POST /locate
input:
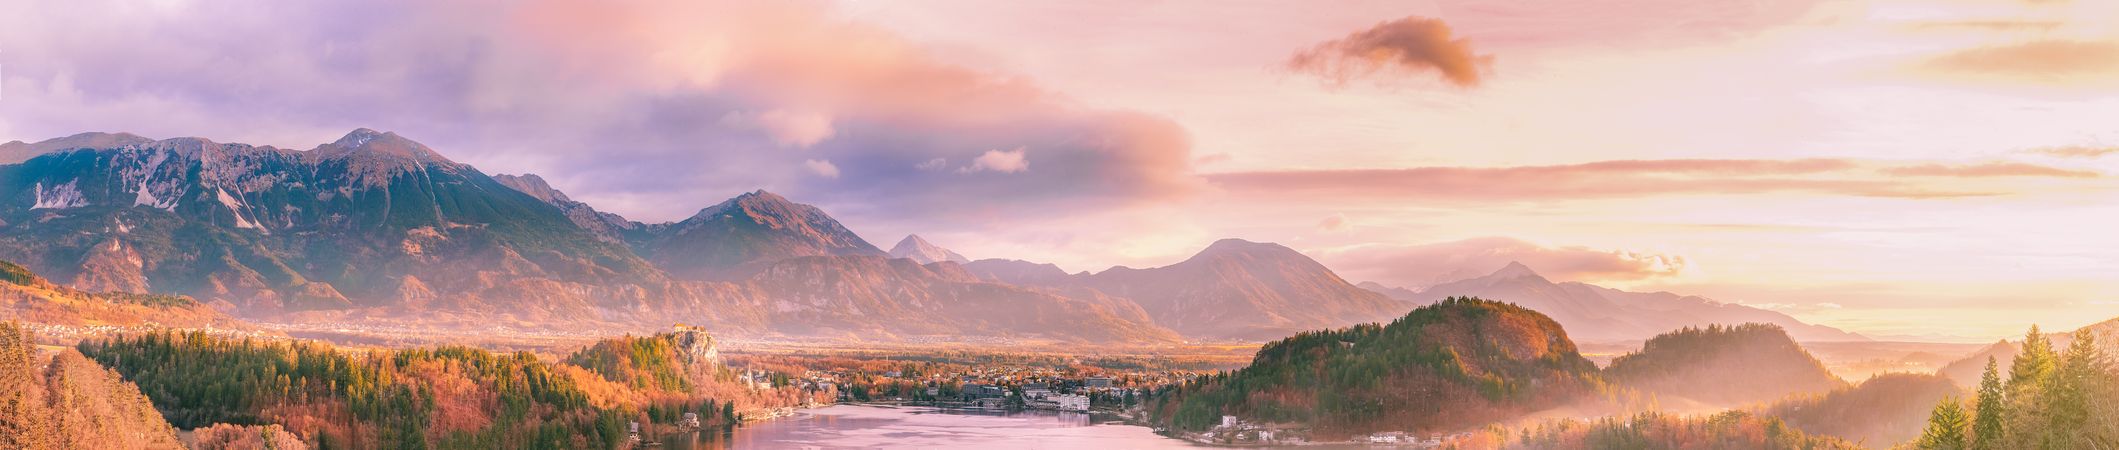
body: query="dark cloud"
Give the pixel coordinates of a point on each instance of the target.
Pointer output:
(1416, 266)
(1408, 46)
(651, 109)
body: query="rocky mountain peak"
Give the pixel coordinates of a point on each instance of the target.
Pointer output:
(753, 227)
(1232, 247)
(534, 185)
(363, 142)
(923, 252)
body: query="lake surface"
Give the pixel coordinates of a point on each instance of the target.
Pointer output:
(860, 426)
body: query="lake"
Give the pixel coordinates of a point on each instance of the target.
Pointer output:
(861, 426)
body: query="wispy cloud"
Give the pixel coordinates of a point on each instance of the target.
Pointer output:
(2077, 151)
(1636, 178)
(1991, 169)
(1429, 264)
(2047, 61)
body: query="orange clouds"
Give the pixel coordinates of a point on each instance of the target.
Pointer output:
(2040, 58)
(1425, 265)
(1636, 178)
(2077, 151)
(2045, 63)
(1412, 45)
(1993, 169)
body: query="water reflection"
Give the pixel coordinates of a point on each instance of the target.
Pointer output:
(848, 426)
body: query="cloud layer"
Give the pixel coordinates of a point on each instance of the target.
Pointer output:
(1640, 178)
(1416, 266)
(650, 109)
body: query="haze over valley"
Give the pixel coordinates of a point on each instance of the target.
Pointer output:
(551, 224)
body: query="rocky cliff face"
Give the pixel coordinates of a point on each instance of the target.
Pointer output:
(696, 347)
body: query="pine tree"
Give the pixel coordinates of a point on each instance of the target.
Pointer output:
(1946, 427)
(2066, 398)
(1987, 424)
(2035, 363)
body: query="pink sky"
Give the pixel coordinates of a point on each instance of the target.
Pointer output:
(1904, 167)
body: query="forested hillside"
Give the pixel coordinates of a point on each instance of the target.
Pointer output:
(1884, 410)
(1460, 363)
(2048, 398)
(65, 401)
(447, 397)
(1722, 366)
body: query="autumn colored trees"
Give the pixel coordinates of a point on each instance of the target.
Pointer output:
(445, 397)
(65, 401)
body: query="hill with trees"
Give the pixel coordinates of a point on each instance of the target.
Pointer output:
(1722, 366)
(446, 397)
(1458, 364)
(66, 401)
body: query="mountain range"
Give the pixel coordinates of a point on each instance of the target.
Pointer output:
(1233, 289)
(1598, 314)
(375, 225)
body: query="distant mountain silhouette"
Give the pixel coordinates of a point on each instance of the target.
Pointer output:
(1233, 289)
(923, 252)
(1597, 314)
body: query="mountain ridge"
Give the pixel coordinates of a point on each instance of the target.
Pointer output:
(1597, 313)
(1233, 289)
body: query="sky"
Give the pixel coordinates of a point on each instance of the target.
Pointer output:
(1934, 168)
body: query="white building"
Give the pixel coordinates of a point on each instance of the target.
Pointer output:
(1071, 402)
